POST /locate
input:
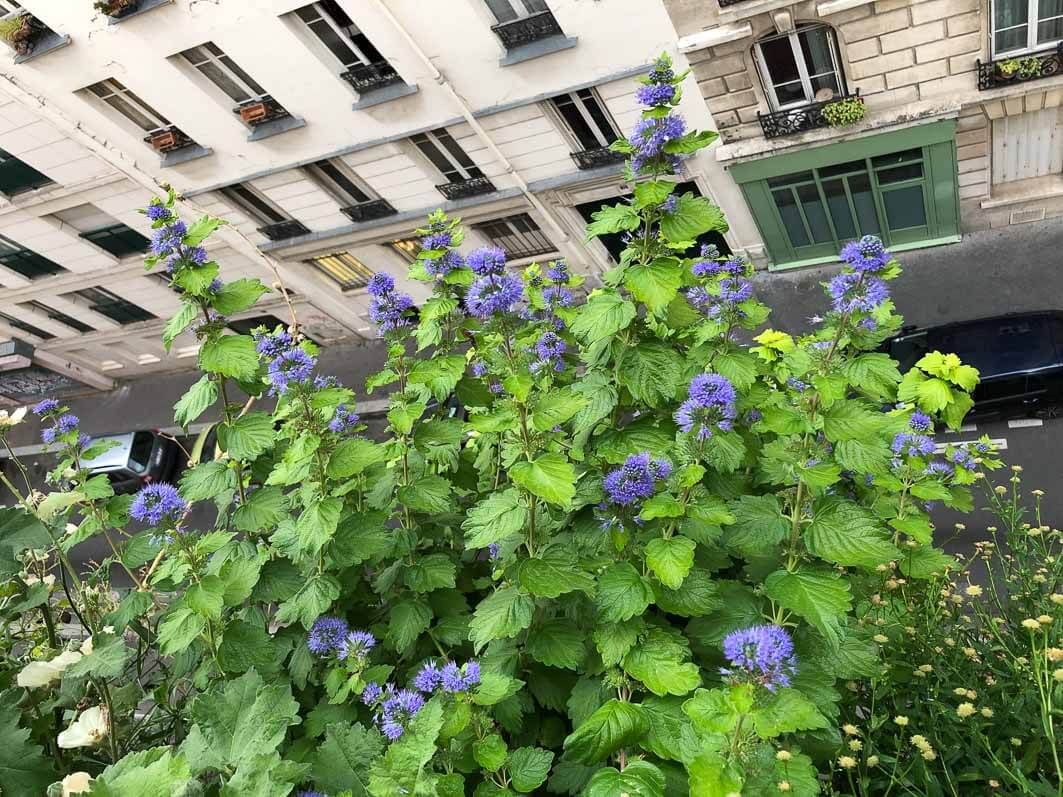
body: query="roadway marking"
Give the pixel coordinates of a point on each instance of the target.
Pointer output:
(1001, 444)
(1022, 423)
(969, 427)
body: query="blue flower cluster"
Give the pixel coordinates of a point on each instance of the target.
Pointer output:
(914, 442)
(494, 292)
(550, 353)
(158, 503)
(732, 288)
(761, 654)
(344, 421)
(167, 241)
(710, 406)
(440, 238)
(331, 636)
(393, 709)
(852, 292)
(388, 308)
(63, 422)
(670, 205)
(628, 486)
(448, 679)
(649, 139)
(289, 364)
(866, 255)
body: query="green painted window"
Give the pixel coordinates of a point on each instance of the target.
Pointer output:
(900, 186)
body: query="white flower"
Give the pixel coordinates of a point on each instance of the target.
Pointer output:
(42, 673)
(13, 419)
(86, 647)
(87, 730)
(76, 783)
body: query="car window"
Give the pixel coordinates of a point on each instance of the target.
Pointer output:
(140, 452)
(1000, 389)
(907, 350)
(1002, 346)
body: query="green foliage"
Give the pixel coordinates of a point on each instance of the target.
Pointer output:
(844, 112)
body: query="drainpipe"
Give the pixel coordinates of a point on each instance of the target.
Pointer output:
(467, 114)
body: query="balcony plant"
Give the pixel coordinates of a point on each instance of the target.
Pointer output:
(1008, 67)
(844, 112)
(1030, 67)
(254, 112)
(116, 8)
(21, 32)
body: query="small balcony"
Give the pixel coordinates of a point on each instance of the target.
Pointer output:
(29, 37)
(283, 230)
(1019, 69)
(474, 186)
(370, 77)
(368, 211)
(725, 3)
(532, 28)
(596, 158)
(168, 139)
(798, 120)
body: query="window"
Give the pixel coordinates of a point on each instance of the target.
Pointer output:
(22, 261)
(119, 240)
(338, 180)
(339, 34)
(255, 204)
(1026, 25)
(518, 235)
(15, 323)
(223, 72)
(800, 67)
(346, 269)
(113, 306)
(510, 10)
(445, 154)
(586, 119)
(9, 7)
(408, 248)
(17, 177)
(129, 105)
(55, 315)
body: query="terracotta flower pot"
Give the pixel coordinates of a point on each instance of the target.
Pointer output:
(255, 112)
(164, 140)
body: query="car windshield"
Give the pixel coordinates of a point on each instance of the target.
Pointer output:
(999, 347)
(140, 452)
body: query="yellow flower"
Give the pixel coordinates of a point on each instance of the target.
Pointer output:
(1058, 674)
(901, 720)
(965, 710)
(783, 755)
(784, 785)
(970, 653)
(881, 638)
(950, 642)
(1039, 579)
(856, 745)
(919, 740)
(1054, 654)
(1031, 624)
(872, 760)
(1044, 619)
(959, 691)
(973, 590)
(1037, 493)
(14, 419)
(851, 730)
(928, 754)
(76, 783)
(1057, 598)
(987, 712)
(919, 674)
(925, 668)
(971, 694)
(847, 762)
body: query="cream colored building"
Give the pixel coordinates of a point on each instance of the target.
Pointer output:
(324, 132)
(961, 129)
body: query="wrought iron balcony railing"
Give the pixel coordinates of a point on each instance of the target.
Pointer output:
(367, 211)
(725, 3)
(370, 77)
(474, 186)
(532, 28)
(272, 110)
(597, 157)
(169, 139)
(798, 120)
(1019, 69)
(283, 230)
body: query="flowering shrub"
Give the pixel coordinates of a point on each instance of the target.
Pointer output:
(605, 548)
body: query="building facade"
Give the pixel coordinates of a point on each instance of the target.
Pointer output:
(915, 120)
(324, 132)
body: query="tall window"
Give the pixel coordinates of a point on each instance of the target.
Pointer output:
(103, 230)
(1026, 25)
(255, 204)
(23, 326)
(22, 261)
(509, 10)
(336, 178)
(129, 105)
(518, 235)
(586, 118)
(800, 67)
(113, 306)
(347, 270)
(17, 176)
(339, 34)
(223, 72)
(56, 315)
(407, 248)
(446, 155)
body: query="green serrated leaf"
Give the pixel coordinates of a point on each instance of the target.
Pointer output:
(550, 477)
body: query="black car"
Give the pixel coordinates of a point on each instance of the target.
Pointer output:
(139, 458)
(1019, 358)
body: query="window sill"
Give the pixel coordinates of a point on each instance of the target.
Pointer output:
(49, 42)
(1037, 189)
(823, 261)
(537, 49)
(183, 155)
(144, 7)
(276, 127)
(384, 94)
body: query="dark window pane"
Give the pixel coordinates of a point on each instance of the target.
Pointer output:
(335, 43)
(594, 108)
(25, 327)
(119, 240)
(371, 53)
(791, 217)
(789, 93)
(252, 203)
(576, 123)
(502, 9)
(1011, 39)
(838, 203)
(815, 214)
(825, 86)
(815, 46)
(904, 207)
(456, 152)
(333, 9)
(22, 261)
(431, 151)
(789, 179)
(246, 78)
(220, 78)
(779, 59)
(17, 176)
(342, 182)
(1050, 30)
(912, 171)
(62, 318)
(140, 451)
(519, 236)
(1009, 13)
(864, 202)
(894, 158)
(843, 168)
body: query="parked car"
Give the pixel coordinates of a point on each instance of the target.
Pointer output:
(139, 458)
(1019, 357)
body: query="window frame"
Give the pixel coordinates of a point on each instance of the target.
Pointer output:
(319, 175)
(804, 76)
(123, 95)
(247, 206)
(107, 299)
(15, 8)
(225, 63)
(17, 163)
(131, 246)
(59, 317)
(519, 8)
(573, 98)
(534, 241)
(20, 254)
(362, 273)
(1033, 21)
(342, 32)
(432, 138)
(26, 326)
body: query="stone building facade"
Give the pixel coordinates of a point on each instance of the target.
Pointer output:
(960, 128)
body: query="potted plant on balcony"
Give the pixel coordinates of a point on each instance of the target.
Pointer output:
(254, 112)
(163, 140)
(1007, 68)
(21, 32)
(116, 8)
(1030, 67)
(844, 112)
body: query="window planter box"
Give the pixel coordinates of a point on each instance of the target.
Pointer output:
(260, 111)
(116, 9)
(526, 30)
(168, 139)
(1019, 69)
(23, 33)
(368, 211)
(365, 78)
(283, 230)
(474, 186)
(596, 158)
(798, 120)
